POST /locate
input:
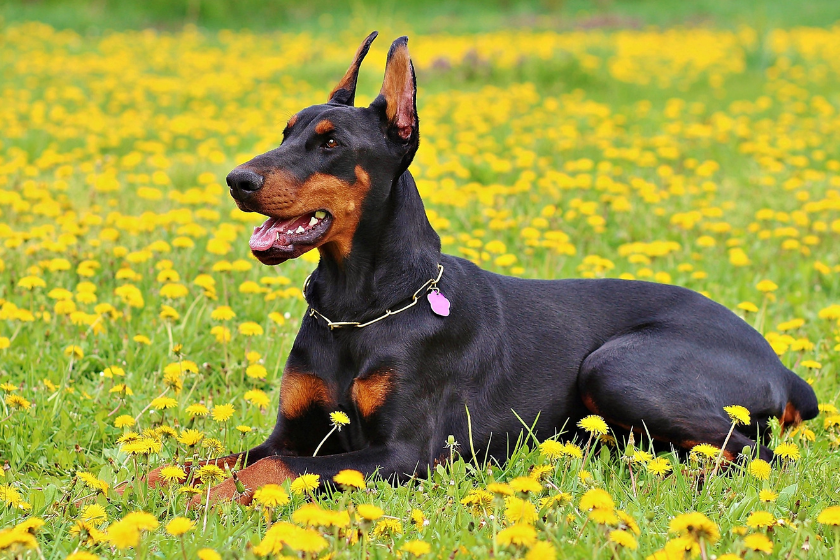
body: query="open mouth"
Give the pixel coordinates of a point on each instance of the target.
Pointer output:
(279, 239)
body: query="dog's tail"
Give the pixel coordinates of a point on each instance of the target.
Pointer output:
(802, 401)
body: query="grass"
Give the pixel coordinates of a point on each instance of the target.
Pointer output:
(705, 157)
(470, 16)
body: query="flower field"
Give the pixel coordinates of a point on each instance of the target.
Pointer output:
(136, 331)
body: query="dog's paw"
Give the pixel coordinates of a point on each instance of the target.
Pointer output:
(241, 486)
(224, 492)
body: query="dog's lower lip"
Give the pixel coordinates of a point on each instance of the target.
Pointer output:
(282, 239)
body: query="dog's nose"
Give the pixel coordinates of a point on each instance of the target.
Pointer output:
(244, 181)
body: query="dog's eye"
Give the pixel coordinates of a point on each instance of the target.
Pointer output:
(329, 144)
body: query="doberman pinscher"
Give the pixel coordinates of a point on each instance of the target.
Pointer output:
(381, 343)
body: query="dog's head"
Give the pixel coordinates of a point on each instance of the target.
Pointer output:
(334, 160)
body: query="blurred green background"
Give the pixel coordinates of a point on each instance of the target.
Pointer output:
(96, 16)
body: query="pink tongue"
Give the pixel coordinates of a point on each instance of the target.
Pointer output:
(265, 235)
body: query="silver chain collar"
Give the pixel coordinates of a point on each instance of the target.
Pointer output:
(427, 287)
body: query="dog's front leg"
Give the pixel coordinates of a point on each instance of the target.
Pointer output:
(388, 461)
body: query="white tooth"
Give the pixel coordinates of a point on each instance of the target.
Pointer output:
(300, 229)
(278, 236)
(289, 231)
(320, 214)
(313, 220)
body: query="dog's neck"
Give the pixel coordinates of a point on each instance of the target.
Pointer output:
(395, 250)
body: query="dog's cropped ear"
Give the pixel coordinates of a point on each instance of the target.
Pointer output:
(399, 93)
(345, 92)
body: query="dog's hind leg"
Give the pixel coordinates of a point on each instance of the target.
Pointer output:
(639, 381)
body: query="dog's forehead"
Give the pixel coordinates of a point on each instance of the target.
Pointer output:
(338, 115)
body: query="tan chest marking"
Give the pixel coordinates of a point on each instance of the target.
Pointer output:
(299, 391)
(370, 393)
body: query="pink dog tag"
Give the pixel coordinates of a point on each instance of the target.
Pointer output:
(439, 303)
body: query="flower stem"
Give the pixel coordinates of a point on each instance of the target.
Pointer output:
(323, 440)
(722, 449)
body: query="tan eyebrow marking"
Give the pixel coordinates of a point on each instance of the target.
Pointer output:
(292, 121)
(323, 127)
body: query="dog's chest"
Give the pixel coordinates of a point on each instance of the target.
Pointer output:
(304, 391)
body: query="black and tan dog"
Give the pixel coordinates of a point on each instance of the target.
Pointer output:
(652, 358)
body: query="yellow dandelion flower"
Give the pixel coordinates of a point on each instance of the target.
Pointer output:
(197, 410)
(603, 516)
(573, 450)
(830, 516)
(705, 451)
(190, 437)
(74, 352)
(659, 466)
(223, 412)
(123, 535)
(339, 419)
(552, 450)
(517, 535)
(93, 512)
(123, 420)
(596, 498)
(641, 457)
(162, 403)
(789, 451)
(540, 472)
(593, 424)
(257, 397)
(168, 313)
(387, 526)
(283, 533)
(173, 473)
(525, 484)
(223, 313)
(271, 495)
(828, 408)
(518, 510)
(30, 525)
(208, 554)
(767, 496)
(16, 401)
(561, 499)
(369, 512)
(759, 519)
(738, 414)
(210, 472)
(256, 371)
(213, 444)
(694, 525)
(500, 488)
(477, 500)
(767, 286)
(350, 479)
(250, 328)
(82, 555)
(623, 539)
(419, 520)
(416, 548)
(759, 543)
(760, 469)
(179, 526)
(305, 484)
(541, 550)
